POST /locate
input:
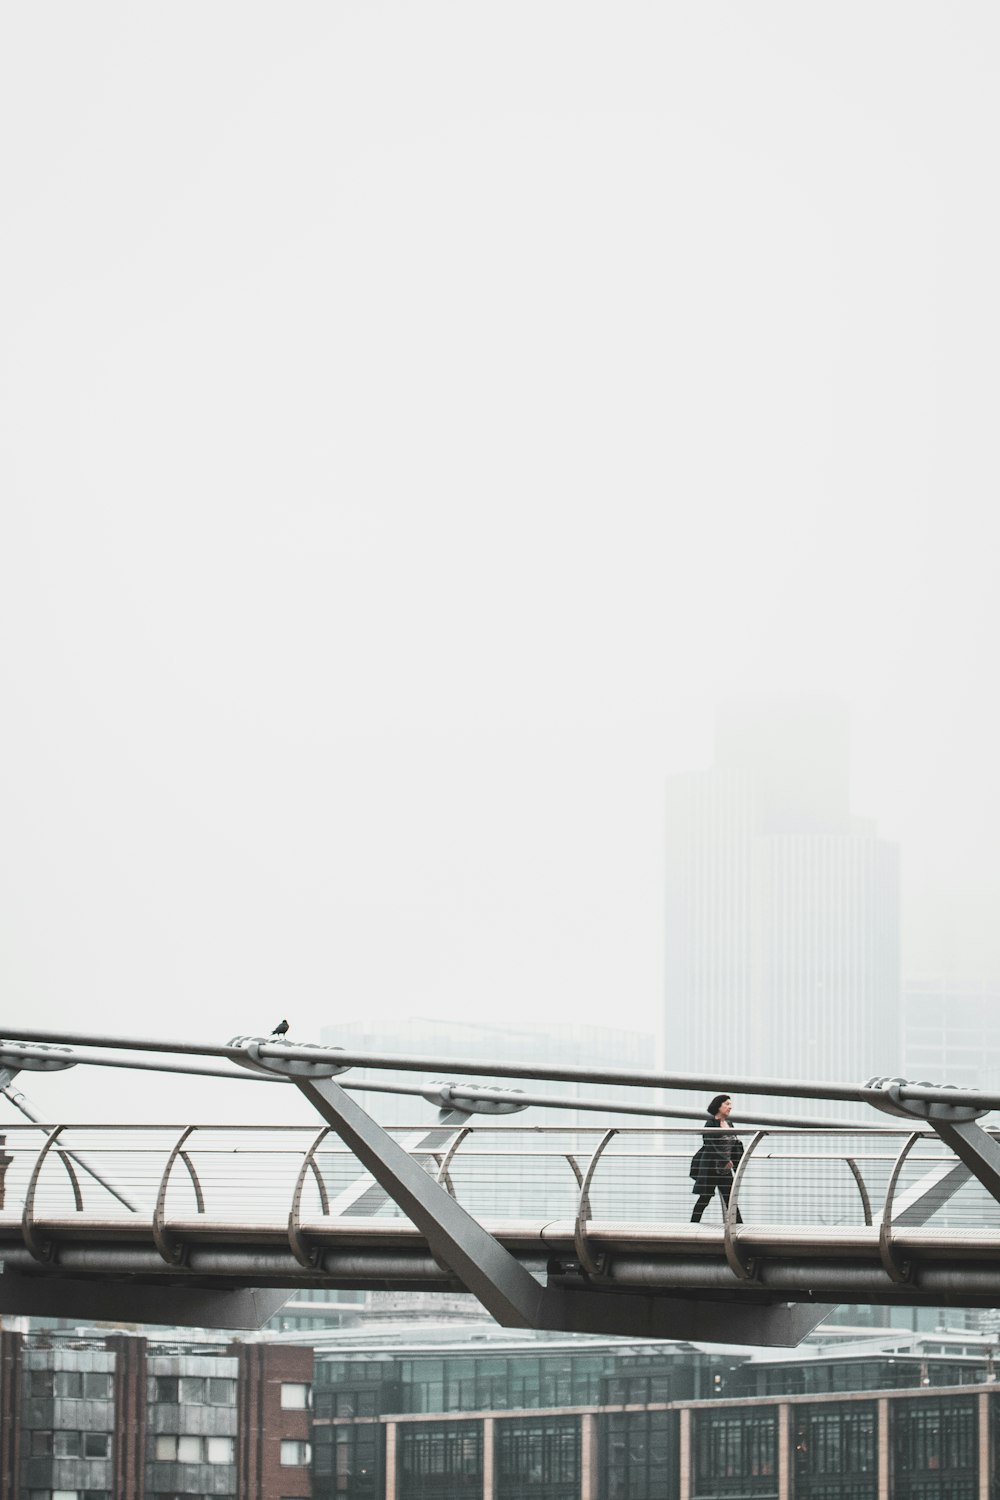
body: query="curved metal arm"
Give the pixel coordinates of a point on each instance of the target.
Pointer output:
(444, 1175)
(41, 1250)
(897, 1270)
(591, 1264)
(172, 1250)
(306, 1255)
(866, 1202)
(744, 1266)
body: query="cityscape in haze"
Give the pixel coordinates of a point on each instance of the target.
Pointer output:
(498, 565)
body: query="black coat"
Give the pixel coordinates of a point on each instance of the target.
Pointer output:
(721, 1146)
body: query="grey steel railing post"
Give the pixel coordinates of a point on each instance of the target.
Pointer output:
(744, 1266)
(591, 1264)
(40, 1251)
(897, 1270)
(308, 1256)
(866, 1202)
(172, 1251)
(444, 1164)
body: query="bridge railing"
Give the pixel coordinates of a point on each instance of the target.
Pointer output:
(257, 1177)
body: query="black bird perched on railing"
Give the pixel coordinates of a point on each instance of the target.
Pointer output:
(280, 1029)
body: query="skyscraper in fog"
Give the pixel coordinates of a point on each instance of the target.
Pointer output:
(782, 908)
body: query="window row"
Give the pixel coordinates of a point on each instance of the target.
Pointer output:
(92, 1385)
(63, 1444)
(192, 1390)
(469, 1384)
(188, 1449)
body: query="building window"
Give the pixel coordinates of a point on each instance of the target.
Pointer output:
(733, 1446)
(219, 1450)
(221, 1392)
(294, 1396)
(41, 1444)
(41, 1383)
(165, 1450)
(939, 1436)
(167, 1388)
(96, 1385)
(66, 1444)
(640, 1454)
(95, 1445)
(352, 1455)
(441, 1460)
(834, 1448)
(189, 1450)
(538, 1457)
(294, 1452)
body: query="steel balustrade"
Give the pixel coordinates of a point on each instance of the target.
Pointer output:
(250, 1190)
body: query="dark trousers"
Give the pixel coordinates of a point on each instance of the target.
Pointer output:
(704, 1199)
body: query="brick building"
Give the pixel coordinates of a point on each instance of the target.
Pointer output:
(425, 1413)
(123, 1418)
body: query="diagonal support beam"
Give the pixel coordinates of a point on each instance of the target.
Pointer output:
(974, 1148)
(503, 1286)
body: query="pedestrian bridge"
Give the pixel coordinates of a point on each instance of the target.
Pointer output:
(576, 1229)
(598, 1218)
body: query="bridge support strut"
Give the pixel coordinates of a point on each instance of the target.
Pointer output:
(504, 1287)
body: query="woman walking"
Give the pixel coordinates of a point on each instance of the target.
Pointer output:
(717, 1159)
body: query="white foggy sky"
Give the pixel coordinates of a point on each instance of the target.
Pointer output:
(415, 418)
